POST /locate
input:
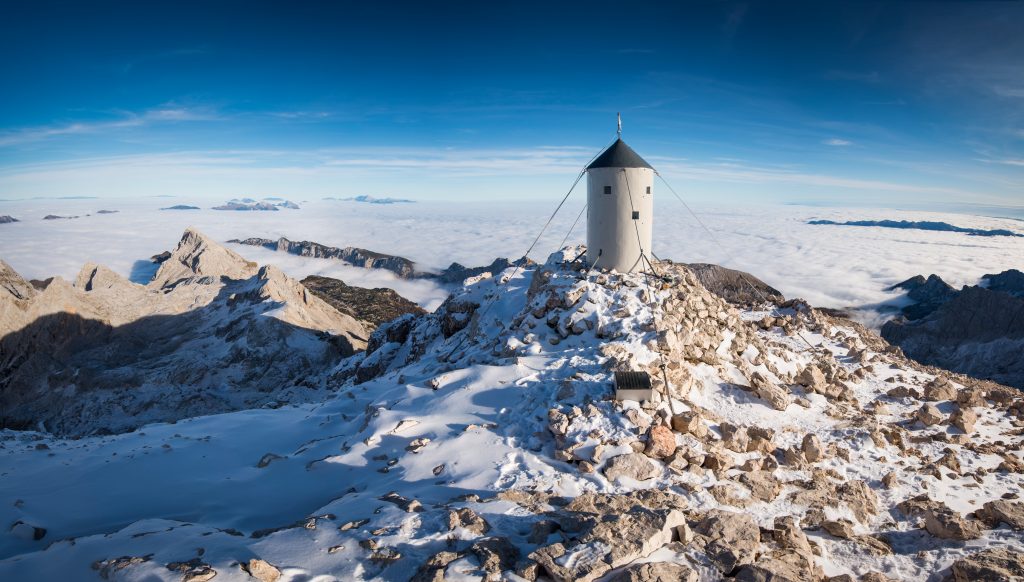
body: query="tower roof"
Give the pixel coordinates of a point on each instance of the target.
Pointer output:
(619, 155)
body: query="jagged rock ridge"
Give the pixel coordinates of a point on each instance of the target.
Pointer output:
(354, 256)
(400, 266)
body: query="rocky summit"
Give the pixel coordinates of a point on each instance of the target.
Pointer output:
(484, 441)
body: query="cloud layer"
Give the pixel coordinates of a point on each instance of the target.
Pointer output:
(831, 267)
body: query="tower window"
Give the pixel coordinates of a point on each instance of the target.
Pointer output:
(636, 215)
(648, 189)
(607, 189)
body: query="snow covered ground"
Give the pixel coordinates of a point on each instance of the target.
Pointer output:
(362, 486)
(830, 266)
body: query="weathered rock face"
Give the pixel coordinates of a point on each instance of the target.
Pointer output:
(212, 332)
(262, 570)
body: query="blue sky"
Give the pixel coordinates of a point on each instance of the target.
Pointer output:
(913, 104)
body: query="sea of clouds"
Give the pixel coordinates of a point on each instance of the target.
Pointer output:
(830, 266)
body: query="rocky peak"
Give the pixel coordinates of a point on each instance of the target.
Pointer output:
(14, 284)
(198, 255)
(1010, 281)
(94, 277)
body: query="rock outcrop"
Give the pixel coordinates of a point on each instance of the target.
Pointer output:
(736, 287)
(371, 307)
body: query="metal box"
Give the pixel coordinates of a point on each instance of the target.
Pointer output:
(633, 386)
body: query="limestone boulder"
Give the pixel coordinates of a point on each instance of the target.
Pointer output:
(1003, 511)
(929, 415)
(964, 419)
(939, 389)
(612, 541)
(813, 448)
(733, 538)
(263, 570)
(943, 522)
(780, 566)
(634, 466)
(812, 378)
(690, 422)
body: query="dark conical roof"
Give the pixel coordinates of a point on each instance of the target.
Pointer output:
(619, 155)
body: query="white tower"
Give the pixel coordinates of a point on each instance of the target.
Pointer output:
(620, 205)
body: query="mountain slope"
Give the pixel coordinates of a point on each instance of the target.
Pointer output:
(977, 330)
(212, 332)
(482, 442)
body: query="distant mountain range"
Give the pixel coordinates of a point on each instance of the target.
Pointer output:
(372, 200)
(248, 204)
(920, 225)
(181, 207)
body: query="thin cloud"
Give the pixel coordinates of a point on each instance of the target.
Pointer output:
(733, 172)
(1006, 162)
(421, 163)
(835, 141)
(165, 114)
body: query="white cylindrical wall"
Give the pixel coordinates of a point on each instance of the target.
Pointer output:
(615, 240)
